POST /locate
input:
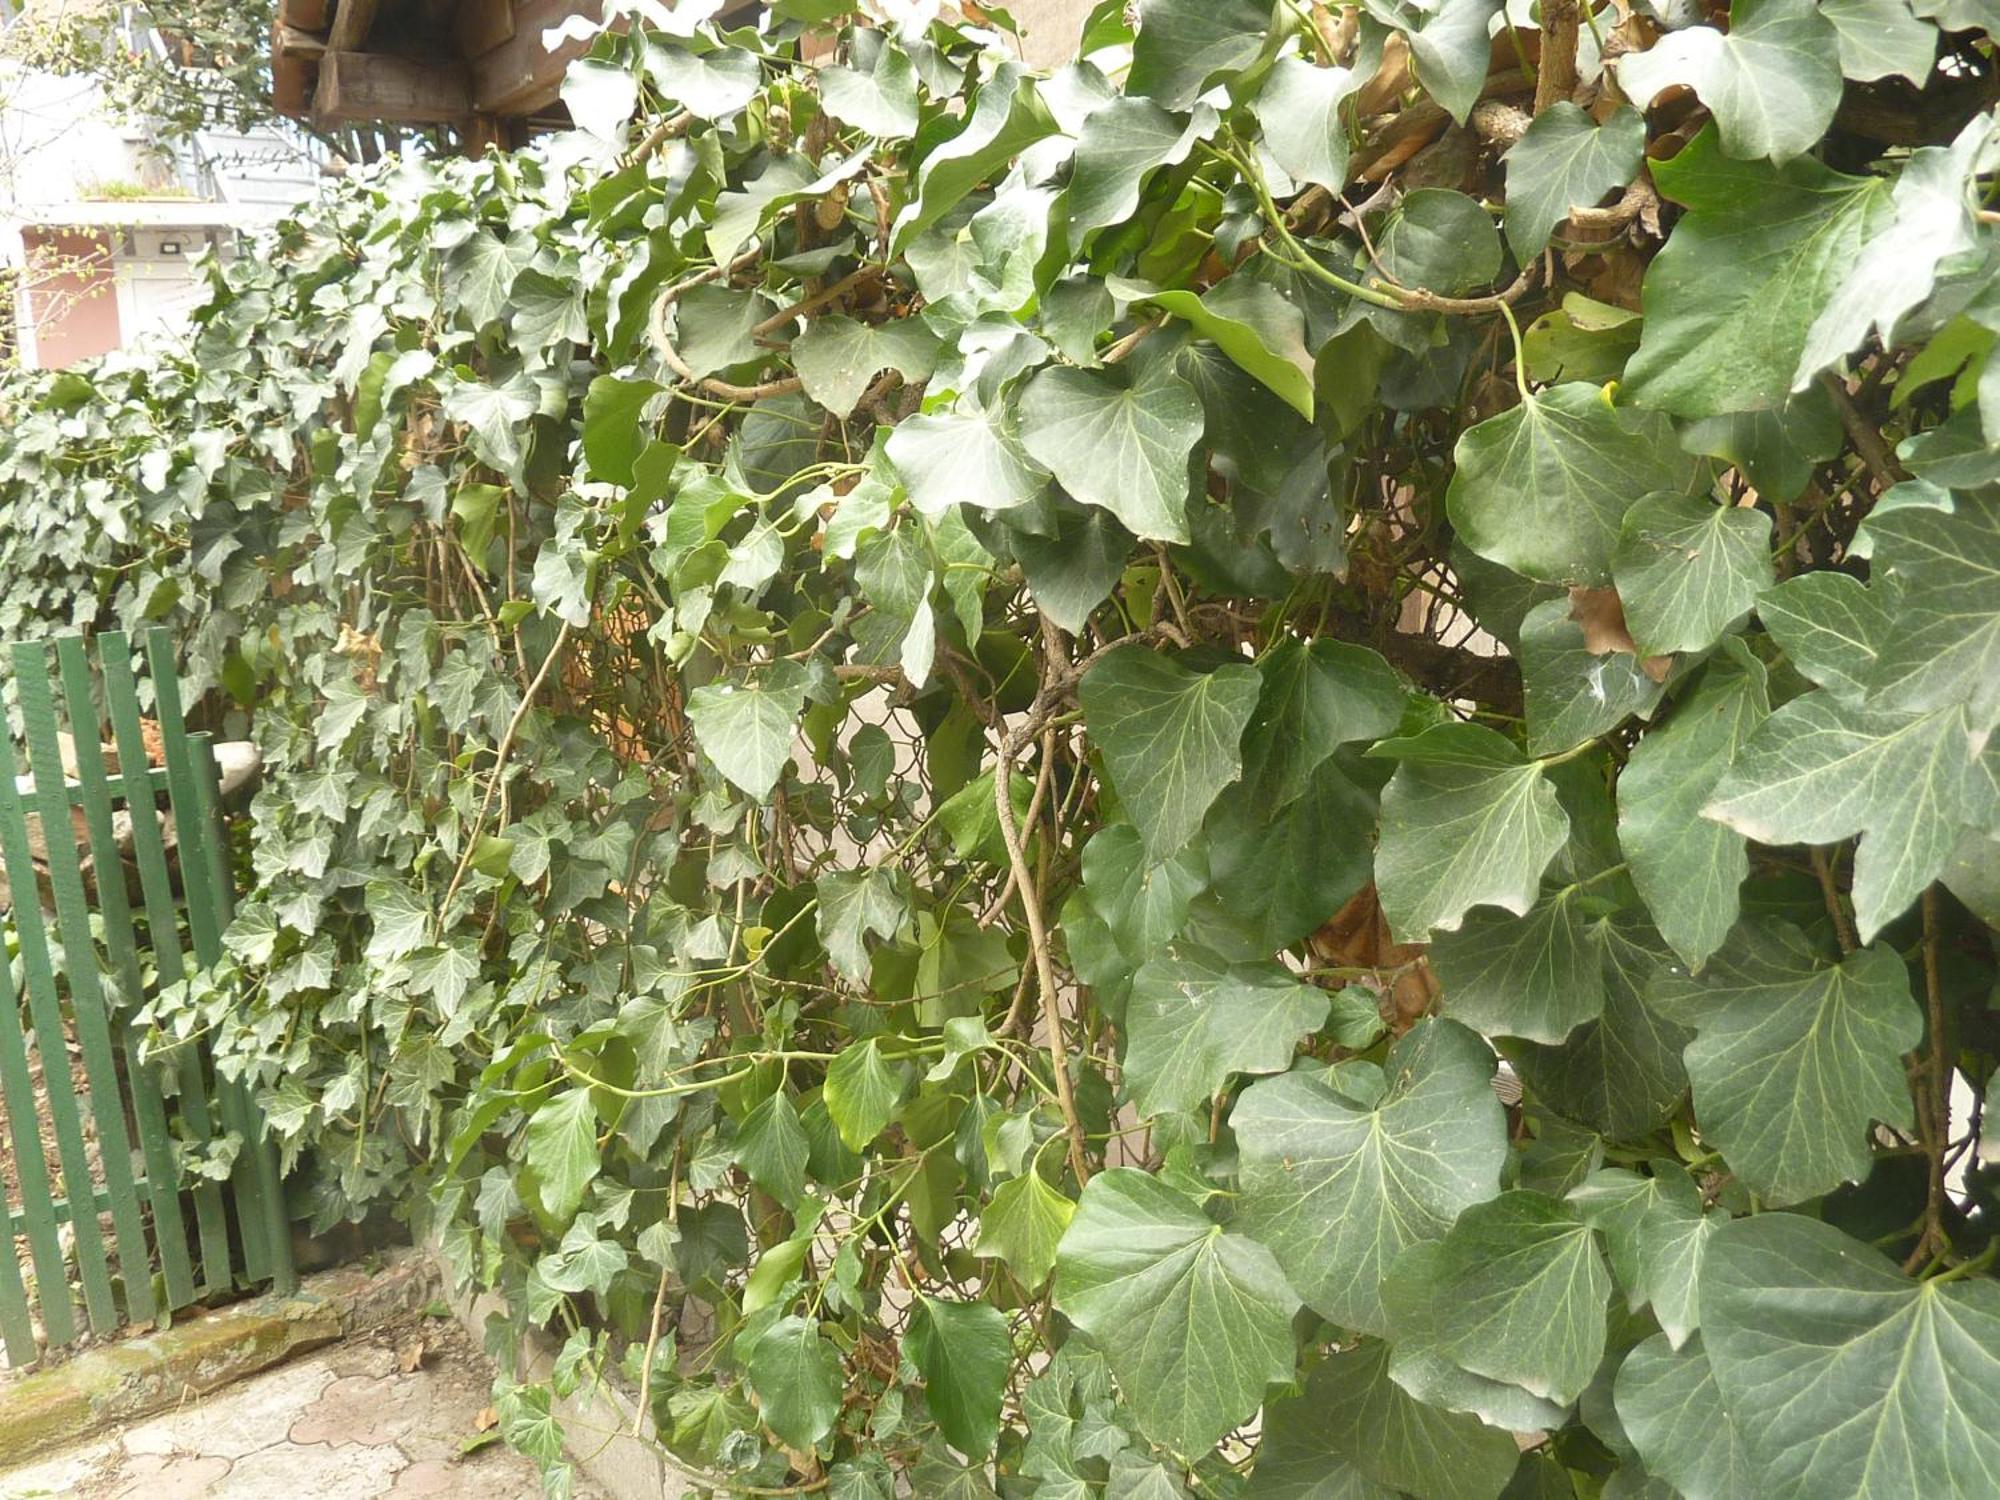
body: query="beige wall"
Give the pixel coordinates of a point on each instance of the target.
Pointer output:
(72, 296)
(1051, 27)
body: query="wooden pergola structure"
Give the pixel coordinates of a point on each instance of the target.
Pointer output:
(477, 66)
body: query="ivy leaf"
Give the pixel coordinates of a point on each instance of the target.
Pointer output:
(1297, 870)
(1121, 141)
(796, 1375)
(495, 415)
(708, 85)
(1777, 448)
(1022, 1224)
(1729, 299)
(1118, 444)
(863, 1089)
(1074, 571)
(1450, 45)
(1540, 976)
(1620, 1075)
(1299, 110)
(1772, 83)
(1194, 1321)
(748, 729)
(1543, 488)
(1794, 1057)
(1441, 239)
(600, 97)
(482, 272)
(1574, 694)
(965, 455)
(836, 357)
(1521, 1290)
(400, 921)
(612, 433)
(1184, 45)
(1845, 1376)
(773, 1147)
(1367, 1420)
(1143, 903)
(1881, 39)
(561, 1150)
(1933, 201)
(1170, 737)
(1656, 1231)
(1007, 116)
(1819, 770)
(1467, 820)
(445, 974)
(585, 1261)
(963, 1351)
(881, 101)
(715, 327)
(1416, 1365)
(1688, 868)
(1565, 160)
(855, 903)
(1668, 1403)
(1340, 1190)
(1257, 327)
(1316, 697)
(1295, 1462)
(1830, 627)
(1687, 569)
(1193, 1019)
(1942, 642)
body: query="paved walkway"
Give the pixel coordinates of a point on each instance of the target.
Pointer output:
(345, 1423)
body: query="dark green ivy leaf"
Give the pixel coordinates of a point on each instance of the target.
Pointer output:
(963, 1351)
(1194, 1321)
(1543, 488)
(1467, 820)
(1170, 737)
(1340, 1189)
(1566, 160)
(1794, 1057)
(1844, 1376)
(1520, 1295)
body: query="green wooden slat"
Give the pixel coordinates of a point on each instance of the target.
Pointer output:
(121, 696)
(37, 1208)
(46, 1008)
(121, 941)
(100, 1203)
(205, 883)
(17, 1324)
(265, 1199)
(204, 923)
(88, 1005)
(121, 786)
(192, 784)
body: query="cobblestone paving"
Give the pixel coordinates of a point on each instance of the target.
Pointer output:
(343, 1424)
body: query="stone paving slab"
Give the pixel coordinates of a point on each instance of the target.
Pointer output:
(345, 1423)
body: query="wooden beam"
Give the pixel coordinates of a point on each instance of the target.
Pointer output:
(378, 88)
(351, 24)
(307, 15)
(290, 41)
(520, 76)
(291, 84)
(481, 25)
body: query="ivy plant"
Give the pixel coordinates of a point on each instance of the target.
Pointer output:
(1260, 769)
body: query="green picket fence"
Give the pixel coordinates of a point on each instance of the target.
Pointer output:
(103, 912)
